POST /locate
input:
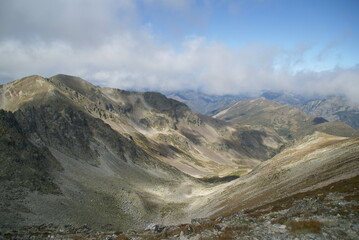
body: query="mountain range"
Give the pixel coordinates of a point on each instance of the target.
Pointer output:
(332, 108)
(73, 154)
(287, 121)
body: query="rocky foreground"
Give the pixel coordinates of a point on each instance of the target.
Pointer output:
(328, 213)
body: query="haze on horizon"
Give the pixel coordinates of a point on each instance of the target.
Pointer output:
(218, 47)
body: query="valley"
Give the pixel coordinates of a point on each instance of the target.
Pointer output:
(74, 154)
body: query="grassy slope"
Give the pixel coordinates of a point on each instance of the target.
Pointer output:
(288, 121)
(313, 162)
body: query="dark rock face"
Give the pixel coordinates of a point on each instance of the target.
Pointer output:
(24, 167)
(251, 142)
(22, 164)
(349, 117)
(319, 120)
(334, 109)
(163, 104)
(61, 127)
(73, 132)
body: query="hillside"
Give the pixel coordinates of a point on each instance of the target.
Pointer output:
(106, 147)
(310, 190)
(166, 129)
(334, 109)
(312, 162)
(72, 168)
(287, 121)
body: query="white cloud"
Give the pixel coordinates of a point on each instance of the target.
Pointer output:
(172, 4)
(77, 21)
(102, 41)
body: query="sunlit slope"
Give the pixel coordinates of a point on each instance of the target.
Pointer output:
(287, 121)
(313, 162)
(166, 129)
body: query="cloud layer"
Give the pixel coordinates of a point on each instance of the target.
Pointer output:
(106, 43)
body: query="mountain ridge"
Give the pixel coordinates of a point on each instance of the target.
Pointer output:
(332, 108)
(288, 121)
(147, 141)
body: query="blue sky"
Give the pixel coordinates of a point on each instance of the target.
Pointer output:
(328, 28)
(218, 46)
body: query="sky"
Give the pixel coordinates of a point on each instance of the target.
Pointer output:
(214, 46)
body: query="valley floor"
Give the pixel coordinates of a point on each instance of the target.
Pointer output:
(331, 212)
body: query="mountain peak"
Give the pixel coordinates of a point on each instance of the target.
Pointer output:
(75, 83)
(23, 90)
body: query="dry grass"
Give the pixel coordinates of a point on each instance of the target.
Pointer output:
(230, 232)
(344, 186)
(122, 237)
(355, 208)
(77, 237)
(309, 226)
(280, 220)
(206, 226)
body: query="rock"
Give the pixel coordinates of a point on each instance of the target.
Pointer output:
(108, 227)
(197, 237)
(182, 236)
(331, 222)
(131, 232)
(282, 227)
(199, 221)
(155, 228)
(352, 234)
(66, 229)
(151, 226)
(189, 229)
(83, 229)
(307, 205)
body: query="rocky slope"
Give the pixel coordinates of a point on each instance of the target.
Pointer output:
(74, 169)
(287, 121)
(312, 162)
(334, 109)
(309, 191)
(166, 129)
(23, 167)
(105, 156)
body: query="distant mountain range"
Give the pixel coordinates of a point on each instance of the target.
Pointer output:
(205, 103)
(287, 121)
(332, 108)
